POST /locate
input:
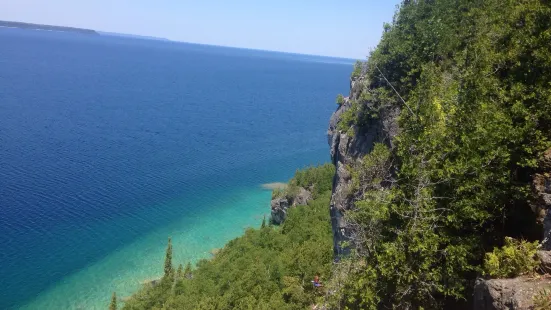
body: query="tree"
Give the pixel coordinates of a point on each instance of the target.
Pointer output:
(263, 222)
(187, 271)
(113, 305)
(340, 99)
(169, 270)
(179, 272)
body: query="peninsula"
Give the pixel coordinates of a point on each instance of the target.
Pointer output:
(9, 24)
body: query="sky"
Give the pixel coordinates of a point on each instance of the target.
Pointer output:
(340, 28)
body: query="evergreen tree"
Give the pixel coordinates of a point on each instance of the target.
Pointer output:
(180, 272)
(187, 271)
(113, 305)
(263, 222)
(168, 259)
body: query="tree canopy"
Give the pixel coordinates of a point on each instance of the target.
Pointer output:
(267, 268)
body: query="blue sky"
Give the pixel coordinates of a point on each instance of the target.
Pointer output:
(321, 27)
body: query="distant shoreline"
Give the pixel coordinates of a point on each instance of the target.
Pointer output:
(29, 26)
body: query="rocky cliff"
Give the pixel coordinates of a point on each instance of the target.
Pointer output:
(349, 147)
(280, 205)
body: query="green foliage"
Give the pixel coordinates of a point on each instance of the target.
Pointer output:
(266, 268)
(188, 272)
(340, 99)
(278, 192)
(113, 304)
(372, 171)
(168, 269)
(180, 271)
(513, 259)
(475, 118)
(316, 179)
(542, 300)
(357, 72)
(348, 118)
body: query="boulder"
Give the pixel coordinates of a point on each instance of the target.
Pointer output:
(545, 260)
(508, 294)
(279, 209)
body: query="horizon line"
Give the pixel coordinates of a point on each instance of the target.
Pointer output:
(161, 39)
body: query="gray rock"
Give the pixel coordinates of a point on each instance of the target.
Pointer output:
(346, 150)
(545, 260)
(302, 198)
(281, 204)
(507, 294)
(279, 209)
(541, 187)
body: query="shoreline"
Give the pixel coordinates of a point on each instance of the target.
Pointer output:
(274, 186)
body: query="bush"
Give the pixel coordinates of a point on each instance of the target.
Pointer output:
(316, 179)
(340, 99)
(542, 300)
(513, 259)
(357, 69)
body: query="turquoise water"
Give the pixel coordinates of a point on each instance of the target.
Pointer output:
(110, 146)
(124, 269)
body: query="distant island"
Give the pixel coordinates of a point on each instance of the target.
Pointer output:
(21, 25)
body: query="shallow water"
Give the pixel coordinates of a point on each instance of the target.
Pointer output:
(111, 145)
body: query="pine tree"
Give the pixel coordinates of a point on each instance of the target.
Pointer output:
(187, 271)
(113, 305)
(179, 272)
(168, 259)
(263, 222)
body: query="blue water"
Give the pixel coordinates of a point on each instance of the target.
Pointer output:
(110, 145)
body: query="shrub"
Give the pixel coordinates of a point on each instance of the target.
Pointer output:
(278, 192)
(317, 179)
(357, 69)
(513, 259)
(542, 300)
(340, 99)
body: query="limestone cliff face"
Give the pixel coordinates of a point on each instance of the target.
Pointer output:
(280, 205)
(348, 147)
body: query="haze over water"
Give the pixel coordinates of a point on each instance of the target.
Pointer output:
(110, 145)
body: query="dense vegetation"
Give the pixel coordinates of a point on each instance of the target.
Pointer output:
(317, 180)
(267, 268)
(435, 207)
(473, 81)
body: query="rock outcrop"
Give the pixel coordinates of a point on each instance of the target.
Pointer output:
(541, 185)
(508, 294)
(347, 148)
(545, 260)
(279, 209)
(302, 198)
(280, 205)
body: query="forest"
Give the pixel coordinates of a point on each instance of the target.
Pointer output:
(448, 199)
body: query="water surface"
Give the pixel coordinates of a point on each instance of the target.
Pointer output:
(110, 145)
